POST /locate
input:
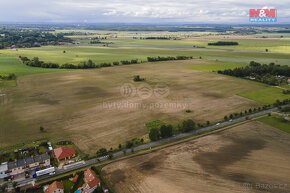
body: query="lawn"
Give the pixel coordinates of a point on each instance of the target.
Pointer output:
(67, 185)
(266, 95)
(277, 122)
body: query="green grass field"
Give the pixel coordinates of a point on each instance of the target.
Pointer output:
(124, 47)
(76, 54)
(215, 67)
(277, 122)
(279, 46)
(10, 64)
(266, 95)
(257, 42)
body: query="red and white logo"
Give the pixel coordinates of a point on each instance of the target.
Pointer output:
(263, 15)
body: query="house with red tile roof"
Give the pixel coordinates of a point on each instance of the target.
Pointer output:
(92, 181)
(64, 153)
(55, 187)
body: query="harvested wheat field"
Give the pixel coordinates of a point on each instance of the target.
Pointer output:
(251, 157)
(87, 105)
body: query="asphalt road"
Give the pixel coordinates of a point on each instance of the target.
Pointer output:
(148, 145)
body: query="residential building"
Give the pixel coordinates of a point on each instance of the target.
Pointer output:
(42, 160)
(64, 153)
(14, 168)
(3, 170)
(92, 181)
(29, 163)
(55, 187)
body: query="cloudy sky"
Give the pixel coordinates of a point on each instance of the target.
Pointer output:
(137, 11)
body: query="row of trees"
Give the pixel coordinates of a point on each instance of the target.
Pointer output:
(270, 74)
(161, 58)
(254, 110)
(99, 42)
(157, 38)
(126, 62)
(10, 76)
(223, 43)
(35, 62)
(246, 112)
(279, 103)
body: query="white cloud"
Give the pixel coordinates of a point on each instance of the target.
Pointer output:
(135, 10)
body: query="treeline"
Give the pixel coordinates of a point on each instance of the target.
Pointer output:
(223, 43)
(157, 38)
(35, 62)
(11, 76)
(271, 74)
(160, 58)
(99, 42)
(27, 39)
(247, 112)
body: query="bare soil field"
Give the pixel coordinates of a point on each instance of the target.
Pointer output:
(251, 157)
(87, 107)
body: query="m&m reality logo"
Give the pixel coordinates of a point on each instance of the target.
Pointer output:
(263, 15)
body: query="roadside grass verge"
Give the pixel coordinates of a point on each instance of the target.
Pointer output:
(277, 122)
